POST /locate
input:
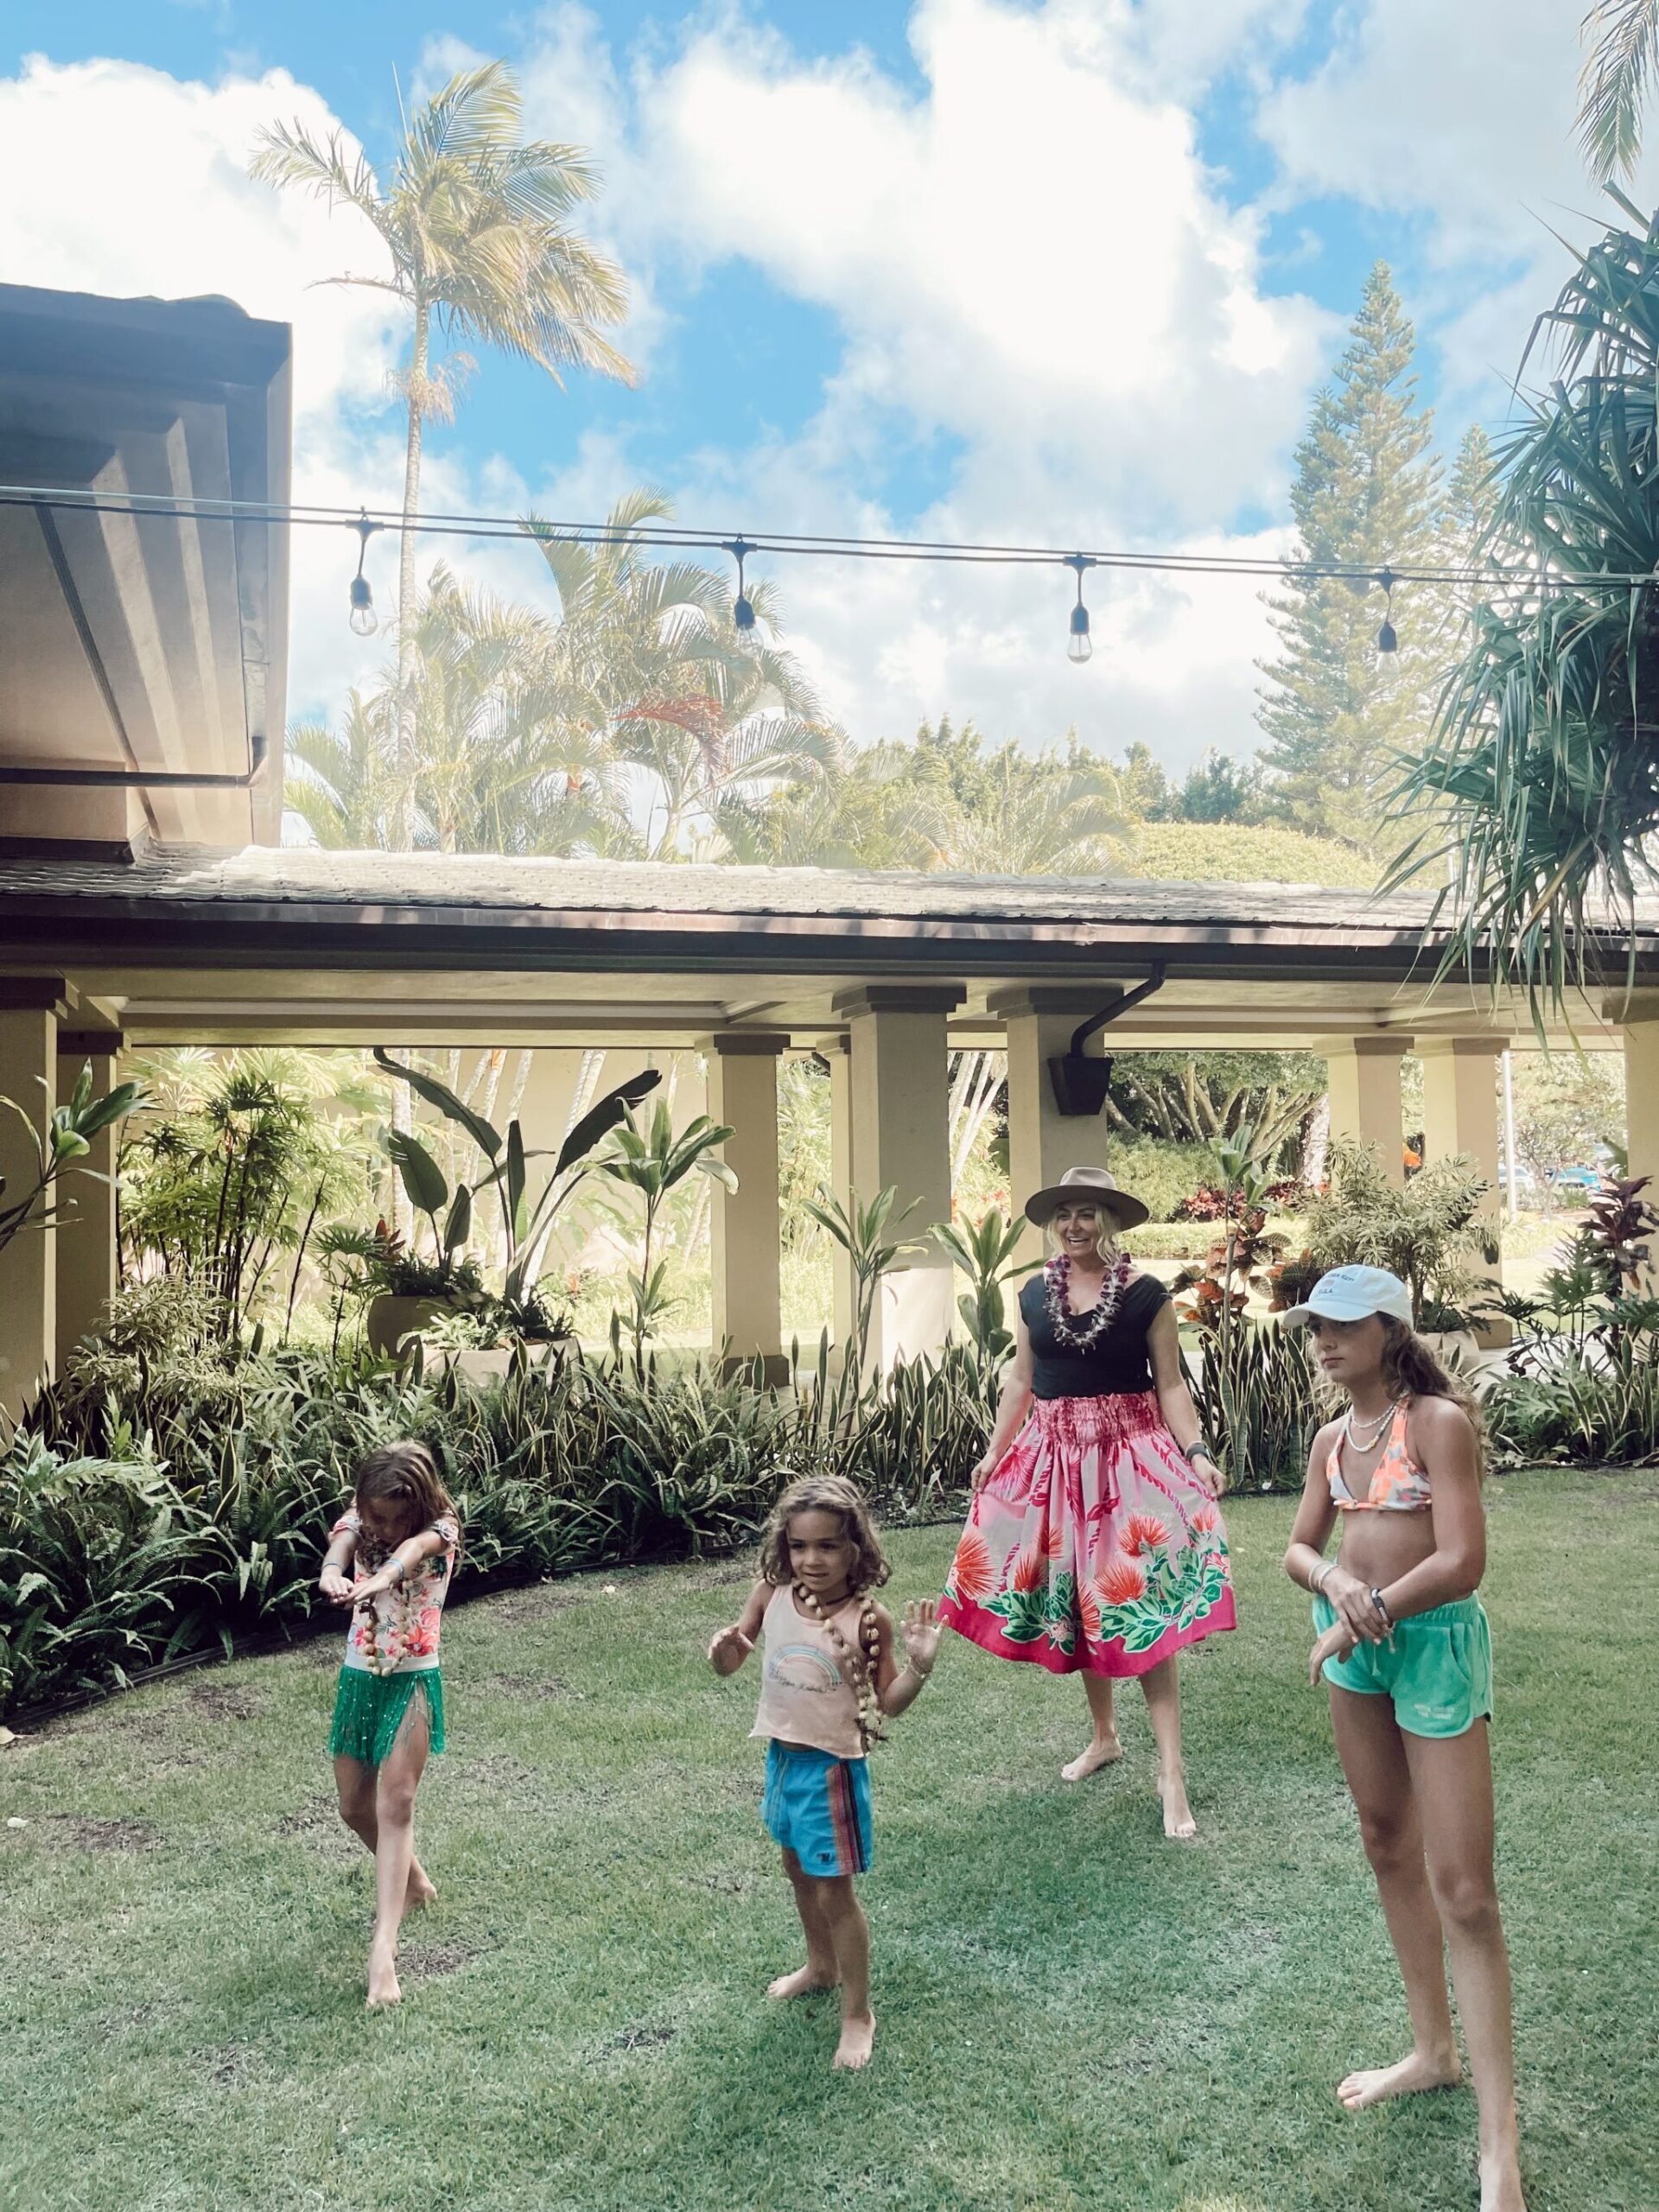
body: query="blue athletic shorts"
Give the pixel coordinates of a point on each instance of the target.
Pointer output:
(818, 1807)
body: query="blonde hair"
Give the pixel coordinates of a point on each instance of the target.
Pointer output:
(1106, 1234)
(835, 1494)
(1410, 1370)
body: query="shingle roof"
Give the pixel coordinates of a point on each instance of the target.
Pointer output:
(290, 875)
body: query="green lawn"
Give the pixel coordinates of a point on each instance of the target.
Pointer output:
(1073, 2013)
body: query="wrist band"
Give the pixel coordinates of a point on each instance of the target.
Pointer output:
(1382, 1605)
(1321, 1576)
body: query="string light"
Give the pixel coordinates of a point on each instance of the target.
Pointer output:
(742, 605)
(1387, 637)
(364, 619)
(1532, 580)
(1080, 646)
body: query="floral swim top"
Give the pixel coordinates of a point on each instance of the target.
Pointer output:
(397, 1631)
(1398, 1485)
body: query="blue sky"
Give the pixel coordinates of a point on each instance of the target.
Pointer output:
(1067, 271)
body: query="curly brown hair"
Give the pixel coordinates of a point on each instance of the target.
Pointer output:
(405, 1476)
(824, 1494)
(834, 1494)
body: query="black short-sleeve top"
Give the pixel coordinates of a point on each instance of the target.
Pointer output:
(1118, 1364)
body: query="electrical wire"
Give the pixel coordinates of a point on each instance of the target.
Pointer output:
(789, 544)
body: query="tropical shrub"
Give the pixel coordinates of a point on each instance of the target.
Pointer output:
(1255, 1390)
(1428, 1231)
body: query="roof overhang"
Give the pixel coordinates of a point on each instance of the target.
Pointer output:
(137, 644)
(297, 946)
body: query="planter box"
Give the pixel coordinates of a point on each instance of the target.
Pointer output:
(392, 1325)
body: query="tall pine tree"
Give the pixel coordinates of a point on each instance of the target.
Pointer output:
(1366, 496)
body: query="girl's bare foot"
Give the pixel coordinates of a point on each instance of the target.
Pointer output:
(1104, 1751)
(1500, 2180)
(857, 2040)
(422, 1890)
(1179, 1823)
(1371, 2085)
(802, 1982)
(383, 1980)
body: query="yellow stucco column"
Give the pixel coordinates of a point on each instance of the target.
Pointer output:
(843, 1182)
(88, 1272)
(1461, 1116)
(1039, 1020)
(744, 1223)
(1365, 1096)
(28, 1274)
(900, 1127)
(1642, 1095)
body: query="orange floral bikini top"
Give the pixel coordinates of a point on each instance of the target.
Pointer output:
(1398, 1484)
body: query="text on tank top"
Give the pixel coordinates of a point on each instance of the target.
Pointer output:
(807, 1696)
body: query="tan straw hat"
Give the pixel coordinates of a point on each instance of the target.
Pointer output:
(1089, 1186)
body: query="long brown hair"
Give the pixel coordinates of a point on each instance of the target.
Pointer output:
(834, 1494)
(1410, 1370)
(403, 1475)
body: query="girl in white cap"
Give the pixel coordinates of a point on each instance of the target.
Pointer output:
(1094, 1546)
(1404, 1647)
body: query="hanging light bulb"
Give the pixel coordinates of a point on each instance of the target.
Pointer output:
(363, 620)
(743, 605)
(1080, 646)
(1387, 637)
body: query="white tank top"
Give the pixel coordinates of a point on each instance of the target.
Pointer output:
(806, 1696)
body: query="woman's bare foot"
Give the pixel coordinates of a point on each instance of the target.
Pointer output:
(1179, 1823)
(802, 1982)
(1104, 1751)
(1372, 2085)
(383, 1979)
(1500, 2180)
(857, 2040)
(422, 1890)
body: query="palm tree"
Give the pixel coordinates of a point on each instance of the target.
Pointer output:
(341, 782)
(476, 224)
(1620, 72)
(648, 656)
(1043, 816)
(1542, 771)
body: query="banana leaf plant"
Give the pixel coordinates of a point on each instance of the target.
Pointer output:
(985, 1252)
(527, 1225)
(653, 1162)
(63, 1147)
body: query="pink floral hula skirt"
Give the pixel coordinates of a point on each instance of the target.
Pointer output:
(1093, 1549)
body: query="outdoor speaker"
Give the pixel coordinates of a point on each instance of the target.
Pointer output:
(1079, 1081)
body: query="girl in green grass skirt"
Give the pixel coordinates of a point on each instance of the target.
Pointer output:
(389, 1558)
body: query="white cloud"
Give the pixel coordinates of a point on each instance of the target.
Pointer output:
(1029, 263)
(1463, 123)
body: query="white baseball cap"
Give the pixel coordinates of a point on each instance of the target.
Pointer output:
(1351, 1294)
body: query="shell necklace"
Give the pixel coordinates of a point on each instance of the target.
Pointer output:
(1351, 1429)
(1099, 1317)
(861, 1667)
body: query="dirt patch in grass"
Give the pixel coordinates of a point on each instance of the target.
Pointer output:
(639, 2035)
(425, 1961)
(731, 1573)
(531, 1604)
(226, 2065)
(224, 1701)
(87, 1832)
(552, 1686)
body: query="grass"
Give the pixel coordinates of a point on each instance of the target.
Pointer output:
(1073, 2014)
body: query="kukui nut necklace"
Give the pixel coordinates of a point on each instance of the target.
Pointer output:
(1099, 1317)
(861, 1667)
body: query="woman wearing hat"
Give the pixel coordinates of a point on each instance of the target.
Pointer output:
(1094, 1546)
(1405, 1650)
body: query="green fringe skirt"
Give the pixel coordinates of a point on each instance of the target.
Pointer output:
(370, 1709)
